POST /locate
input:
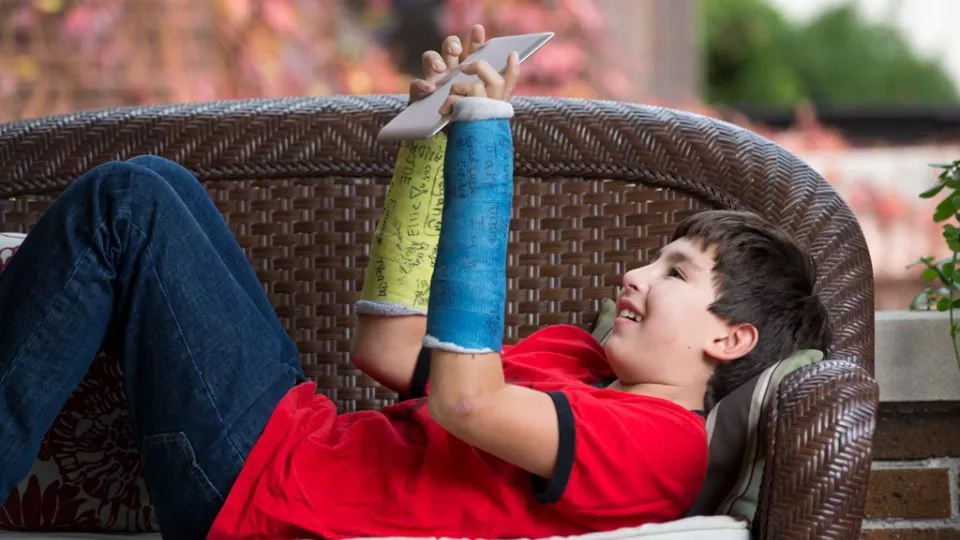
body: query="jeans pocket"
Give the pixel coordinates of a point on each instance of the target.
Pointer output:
(185, 499)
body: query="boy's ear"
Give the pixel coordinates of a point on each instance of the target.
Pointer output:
(735, 342)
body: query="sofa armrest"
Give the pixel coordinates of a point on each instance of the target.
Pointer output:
(819, 439)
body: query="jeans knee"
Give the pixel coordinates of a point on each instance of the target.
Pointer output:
(146, 173)
(158, 164)
(178, 176)
(117, 187)
(110, 178)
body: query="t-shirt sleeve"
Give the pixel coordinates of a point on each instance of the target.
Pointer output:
(421, 376)
(624, 459)
(560, 352)
(420, 383)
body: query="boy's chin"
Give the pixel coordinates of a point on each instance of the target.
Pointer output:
(624, 342)
(621, 355)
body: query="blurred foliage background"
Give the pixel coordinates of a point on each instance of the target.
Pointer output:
(62, 55)
(755, 56)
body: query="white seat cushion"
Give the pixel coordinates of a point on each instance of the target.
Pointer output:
(692, 528)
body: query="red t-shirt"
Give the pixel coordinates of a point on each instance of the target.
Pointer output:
(624, 460)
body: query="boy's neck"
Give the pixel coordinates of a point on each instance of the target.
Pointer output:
(685, 396)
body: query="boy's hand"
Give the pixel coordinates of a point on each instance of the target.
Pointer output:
(437, 65)
(492, 84)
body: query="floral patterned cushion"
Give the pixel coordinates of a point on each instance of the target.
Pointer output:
(87, 476)
(9, 242)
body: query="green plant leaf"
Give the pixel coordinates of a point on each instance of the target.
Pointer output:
(929, 274)
(922, 261)
(951, 235)
(943, 304)
(921, 302)
(932, 192)
(947, 270)
(945, 210)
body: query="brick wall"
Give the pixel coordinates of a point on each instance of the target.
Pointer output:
(913, 493)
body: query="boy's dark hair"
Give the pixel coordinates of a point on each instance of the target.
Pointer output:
(763, 277)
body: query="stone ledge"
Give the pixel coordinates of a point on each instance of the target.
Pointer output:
(914, 357)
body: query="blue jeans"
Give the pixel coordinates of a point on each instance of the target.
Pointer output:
(135, 255)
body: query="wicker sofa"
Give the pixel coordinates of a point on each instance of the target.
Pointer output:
(599, 186)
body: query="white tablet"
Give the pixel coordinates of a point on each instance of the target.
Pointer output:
(422, 119)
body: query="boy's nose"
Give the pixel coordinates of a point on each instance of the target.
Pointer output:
(635, 280)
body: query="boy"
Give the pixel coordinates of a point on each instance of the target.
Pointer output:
(533, 440)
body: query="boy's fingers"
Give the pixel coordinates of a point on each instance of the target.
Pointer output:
(451, 50)
(478, 36)
(491, 79)
(420, 88)
(447, 107)
(461, 89)
(433, 65)
(511, 75)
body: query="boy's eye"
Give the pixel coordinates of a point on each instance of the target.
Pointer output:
(675, 273)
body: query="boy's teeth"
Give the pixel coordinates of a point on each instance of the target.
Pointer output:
(630, 315)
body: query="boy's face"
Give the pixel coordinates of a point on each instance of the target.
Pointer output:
(665, 333)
